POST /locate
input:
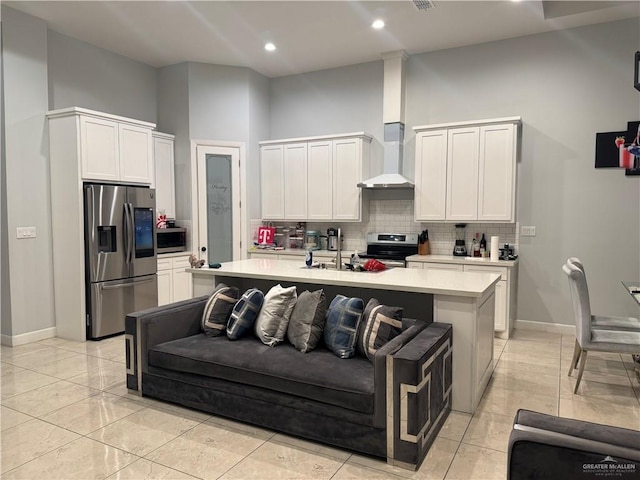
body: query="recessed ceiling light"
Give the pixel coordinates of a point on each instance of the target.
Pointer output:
(269, 47)
(378, 24)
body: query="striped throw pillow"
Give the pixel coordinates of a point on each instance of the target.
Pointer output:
(380, 324)
(218, 310)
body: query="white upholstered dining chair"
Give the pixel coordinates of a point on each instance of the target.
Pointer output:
(588, 337)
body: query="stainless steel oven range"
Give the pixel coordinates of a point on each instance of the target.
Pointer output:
(392, 249)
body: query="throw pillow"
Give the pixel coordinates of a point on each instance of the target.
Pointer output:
(218, 310)
(244, 313)
(341, 329)
(307, 320)
(273, 319)
(379, 325)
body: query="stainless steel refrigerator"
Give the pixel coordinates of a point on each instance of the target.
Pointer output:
(120, 255)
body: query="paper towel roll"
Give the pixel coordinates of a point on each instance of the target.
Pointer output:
(495, 247)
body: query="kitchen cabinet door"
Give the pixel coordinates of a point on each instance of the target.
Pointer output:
(136, 154)
(295, 181)
(182, 284)
(502, 294)
(320, 180)
(163, 158)
(497, 166)
(100, 155)
(272, 176)
(462, 173)
(164, 287)
(431, 175)
(347, 172)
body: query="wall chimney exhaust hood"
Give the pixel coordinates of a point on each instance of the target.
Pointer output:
(393, 117)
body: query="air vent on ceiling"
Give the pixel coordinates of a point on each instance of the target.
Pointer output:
(423, 4)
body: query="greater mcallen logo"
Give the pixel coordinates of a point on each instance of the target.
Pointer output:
(609, 467)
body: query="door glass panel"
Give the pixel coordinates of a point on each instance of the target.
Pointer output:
(219, 212)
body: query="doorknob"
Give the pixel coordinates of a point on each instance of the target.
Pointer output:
(203, 249)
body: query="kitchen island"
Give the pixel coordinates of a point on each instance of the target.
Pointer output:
(463, 299)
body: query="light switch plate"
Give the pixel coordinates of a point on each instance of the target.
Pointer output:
(528, 231)
(26, 232)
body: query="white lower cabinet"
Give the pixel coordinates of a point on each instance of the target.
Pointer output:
(506, 289)
(174, 284)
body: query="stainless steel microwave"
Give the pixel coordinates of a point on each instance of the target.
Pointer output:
(171, 240)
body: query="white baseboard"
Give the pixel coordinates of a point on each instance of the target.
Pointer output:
(29, 337)
(546, 327)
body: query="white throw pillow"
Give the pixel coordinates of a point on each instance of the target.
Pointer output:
(273, 319)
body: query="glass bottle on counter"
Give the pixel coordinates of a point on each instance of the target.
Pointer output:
(475, 246)
(483, 247)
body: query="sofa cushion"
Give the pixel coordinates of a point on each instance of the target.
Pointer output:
(307, 320)
(318, 375)
(341, 328)
(273, 319)
(244, 313)
(218, 310)
(379, 324)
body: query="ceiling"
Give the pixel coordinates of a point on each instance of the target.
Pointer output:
(309, 35)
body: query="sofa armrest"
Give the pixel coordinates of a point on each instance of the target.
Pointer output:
(545, 446)
(147, 328)
(380, 370)
(419, 386)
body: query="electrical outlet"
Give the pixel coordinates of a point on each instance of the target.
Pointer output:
(528, 231)
(26, 232)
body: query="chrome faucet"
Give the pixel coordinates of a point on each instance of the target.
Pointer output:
(339, 251)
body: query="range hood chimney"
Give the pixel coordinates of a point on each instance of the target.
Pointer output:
(393, 117)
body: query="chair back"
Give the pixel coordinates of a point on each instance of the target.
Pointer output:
(580, 300)
(576, 262)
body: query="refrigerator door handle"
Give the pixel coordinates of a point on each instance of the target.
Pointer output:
(125, 232)
(128, 221)
(131, 283)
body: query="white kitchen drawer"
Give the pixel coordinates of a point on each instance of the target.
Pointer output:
(417, 265)
(502, 271)
(164, 264)
(443, 266)
(181, 262)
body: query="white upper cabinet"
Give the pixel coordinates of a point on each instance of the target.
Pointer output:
(431, 175)
(314, 178)
(99, 148)
(320, 180)
(163, 158)
(115, 150)
(295, 181)
(466, 171)
(347, 165)
(272, 173)
(136, 154)
(462, 174)
(497, 168)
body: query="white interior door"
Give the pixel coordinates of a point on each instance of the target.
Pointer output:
(219, 205)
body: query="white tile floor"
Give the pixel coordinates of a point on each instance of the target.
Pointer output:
(65, 413)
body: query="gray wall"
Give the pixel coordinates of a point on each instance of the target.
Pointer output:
(5, 287)
(347, 99)
(82, 75)
(24, 53)
(259, 129)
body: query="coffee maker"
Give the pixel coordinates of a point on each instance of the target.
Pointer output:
(332, 239)
(460, 249)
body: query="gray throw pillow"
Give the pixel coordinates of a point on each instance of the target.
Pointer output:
(341, 329)
(379, 325)
(244, 314)
(218, 310)
(273, 319)
(307, 320)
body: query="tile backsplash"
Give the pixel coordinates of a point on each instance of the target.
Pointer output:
(397, 216)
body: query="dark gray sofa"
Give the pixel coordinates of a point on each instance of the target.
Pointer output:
(391, 408)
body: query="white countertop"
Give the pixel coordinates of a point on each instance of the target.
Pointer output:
(173, 254)
(465, 284)
(461, 260)
(297, 251)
